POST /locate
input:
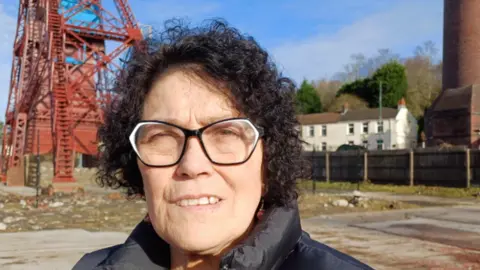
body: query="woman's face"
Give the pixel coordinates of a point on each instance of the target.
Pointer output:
(190, 103)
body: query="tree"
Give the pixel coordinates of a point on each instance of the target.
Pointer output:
(307, 99)
(394, 83)
(354, 103)
(383, 57)
(394, 86)
(362, 67)
(424, 78)
(327, 91)
(360, 88)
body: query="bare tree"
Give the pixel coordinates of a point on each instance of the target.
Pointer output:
(327, 90)
(354, 103)
(361, 66)
(424, 78)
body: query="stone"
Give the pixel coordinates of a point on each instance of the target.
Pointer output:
(3, 226)
(55, 204)
(8, 220)
(341, 203)
(115, 196)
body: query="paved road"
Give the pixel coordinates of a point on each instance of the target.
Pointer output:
(446, 237)
(428, 238)
(51, 250)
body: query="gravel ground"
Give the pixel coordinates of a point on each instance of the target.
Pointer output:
(93, 212)
(114, 212)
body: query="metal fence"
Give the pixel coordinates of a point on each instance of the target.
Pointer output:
(429, 167)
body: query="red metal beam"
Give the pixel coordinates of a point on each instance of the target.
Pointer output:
(55, 98)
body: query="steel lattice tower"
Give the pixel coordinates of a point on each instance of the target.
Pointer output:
(61, 78)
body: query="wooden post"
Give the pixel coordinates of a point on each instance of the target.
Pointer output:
(313, 170)
(469, 175)
(365, 167)
(411, 167)
(327, 166)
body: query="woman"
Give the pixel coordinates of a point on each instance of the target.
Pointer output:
(204, 129)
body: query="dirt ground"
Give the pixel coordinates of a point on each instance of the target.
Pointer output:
(93, 212)
(113, 212)
(325, 204)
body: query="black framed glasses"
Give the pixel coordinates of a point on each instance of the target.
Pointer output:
(225, 142)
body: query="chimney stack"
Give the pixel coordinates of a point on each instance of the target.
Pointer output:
(461, 50)
(402, 104)
(345, 108)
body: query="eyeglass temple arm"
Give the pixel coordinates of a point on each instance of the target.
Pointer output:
(261, 131)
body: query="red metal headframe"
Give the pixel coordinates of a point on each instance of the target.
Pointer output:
(62, 73)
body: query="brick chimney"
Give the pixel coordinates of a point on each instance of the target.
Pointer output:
(461, 49)
(402, 104)
(345, 108)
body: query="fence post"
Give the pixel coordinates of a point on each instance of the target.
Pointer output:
(313, 170)
(469, 175)
(411, 167)
(365, 166)
(327, 166)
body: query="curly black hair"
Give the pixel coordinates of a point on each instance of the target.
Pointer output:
(221, 52)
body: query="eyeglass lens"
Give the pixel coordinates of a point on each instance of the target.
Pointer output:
(225, 142)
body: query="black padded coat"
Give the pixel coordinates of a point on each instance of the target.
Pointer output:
(276, 243)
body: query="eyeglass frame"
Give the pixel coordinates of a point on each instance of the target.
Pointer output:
(259, 133)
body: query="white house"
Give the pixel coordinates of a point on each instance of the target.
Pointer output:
(372, 128)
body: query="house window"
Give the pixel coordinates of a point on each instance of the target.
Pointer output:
(324, 146)
(380, 126)
(380, 144)
(350, 143)
(324, 130)
(351, 129)
(311, 131)
(365, 143)
(365, 128)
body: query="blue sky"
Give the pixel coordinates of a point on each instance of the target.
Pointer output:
(310, 39)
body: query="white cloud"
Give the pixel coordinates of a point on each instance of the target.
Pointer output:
(7, 34)
(407, 24)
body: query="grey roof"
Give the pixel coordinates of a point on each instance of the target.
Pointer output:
(351, 115)
(318, 118)
(456, 98)
(368, 114)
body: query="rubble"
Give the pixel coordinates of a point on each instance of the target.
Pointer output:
(341, 203)
(112, 211)
(94, 212)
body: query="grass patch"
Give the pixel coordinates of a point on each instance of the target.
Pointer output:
(415, 190)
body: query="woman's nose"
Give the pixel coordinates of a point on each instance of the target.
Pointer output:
(194, 161)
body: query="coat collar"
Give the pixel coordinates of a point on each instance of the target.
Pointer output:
(267, 246)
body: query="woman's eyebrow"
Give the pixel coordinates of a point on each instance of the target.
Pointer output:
(211, 119)
(203, 121)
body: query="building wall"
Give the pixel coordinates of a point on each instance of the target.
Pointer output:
(338, 134)
(398, 133)
(406, 129)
